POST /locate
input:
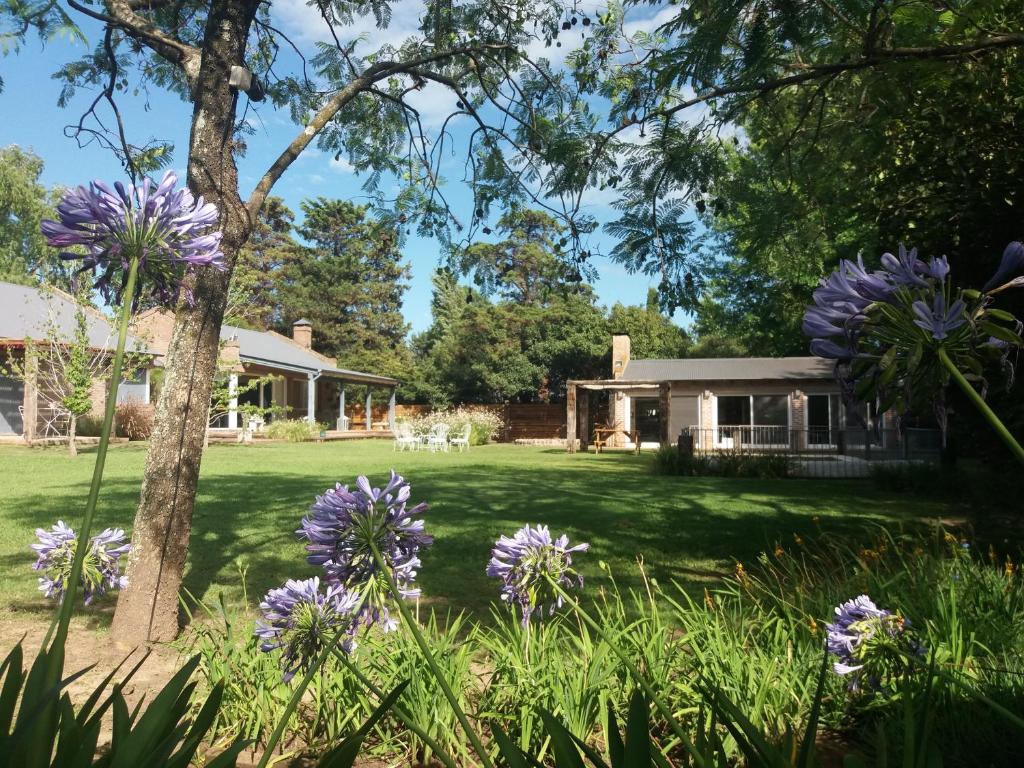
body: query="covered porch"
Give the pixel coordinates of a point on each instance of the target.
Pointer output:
(345, 404)
(620, 425)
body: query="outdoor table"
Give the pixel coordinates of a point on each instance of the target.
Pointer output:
(602, 435)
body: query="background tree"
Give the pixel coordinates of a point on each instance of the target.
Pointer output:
(24, 203)
(651, 334)
(252, 296)
(351, 103)
(349, 284)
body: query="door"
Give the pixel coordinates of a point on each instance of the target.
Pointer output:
(12, 396)
(647, 419)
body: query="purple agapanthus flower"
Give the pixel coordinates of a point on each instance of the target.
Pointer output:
(906, 269)
(938, 320)
(526, 561)
(340, 527)
(1010, 265)
(300, 620)
(101, 569)
(869, 642)
(936, 268)
(170, 231)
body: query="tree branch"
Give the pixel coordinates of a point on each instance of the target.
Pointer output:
(120, 14)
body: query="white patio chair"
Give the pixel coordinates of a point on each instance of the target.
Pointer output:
(404, 437)
(437, 440)
(462, 441)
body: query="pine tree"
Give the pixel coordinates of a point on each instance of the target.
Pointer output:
(349, 283)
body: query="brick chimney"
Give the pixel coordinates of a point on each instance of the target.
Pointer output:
(302, 333)
(620, 354)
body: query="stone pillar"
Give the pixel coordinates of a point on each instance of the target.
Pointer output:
(391, 411)
(798, 421)
(707, 421)
(369, 409)
(233, 402)
(570, 418)
(618, 404)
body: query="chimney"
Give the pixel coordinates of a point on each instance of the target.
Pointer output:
(620, 354)
(302, 333)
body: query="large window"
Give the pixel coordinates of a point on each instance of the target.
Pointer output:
(752, 420)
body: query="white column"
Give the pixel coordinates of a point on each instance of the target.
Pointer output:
(391, 411)
(341, 406)
(369, 409)
(233, 402)
(310, 398)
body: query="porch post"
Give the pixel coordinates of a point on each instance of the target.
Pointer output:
(341, 405)
(665, 407)
(369, 409)
(233, 402)
(570, 418)
(391, 411)
(30, 396)
(584, 425)
(310, 398)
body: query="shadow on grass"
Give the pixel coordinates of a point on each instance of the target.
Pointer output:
(690, 530)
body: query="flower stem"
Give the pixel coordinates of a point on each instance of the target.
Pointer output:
(982, 406)
(410, 723)
(63, 619)
(421, 641)
(659, 703)
(293, 702)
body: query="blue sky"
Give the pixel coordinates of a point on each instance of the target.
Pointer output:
(32, 119)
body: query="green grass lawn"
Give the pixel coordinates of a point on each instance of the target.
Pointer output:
(251, 499)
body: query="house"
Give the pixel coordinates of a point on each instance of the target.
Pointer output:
(306, 384)
(29, 406)
(724, 403)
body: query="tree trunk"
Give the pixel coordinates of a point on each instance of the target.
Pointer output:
(148, 609)
(72, 428)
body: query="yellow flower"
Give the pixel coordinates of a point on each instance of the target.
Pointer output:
(741, 575)
(1009, 569)
(798, 540)
(813, 626)
(709, 600)
(779, 551)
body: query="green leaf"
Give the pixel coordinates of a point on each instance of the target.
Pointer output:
(345, 754)
(1001, 333)
(1001, 314)
(563, 747)
(638, 734)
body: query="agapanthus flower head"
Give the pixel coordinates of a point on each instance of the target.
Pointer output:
(906, 269)
(869, 642)
(1011, 266)
(100, 570)
(344, 522)
(939, 320)
(301, 620)
(526, 561)
(170, 231)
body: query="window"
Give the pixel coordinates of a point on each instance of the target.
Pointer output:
(752, 420)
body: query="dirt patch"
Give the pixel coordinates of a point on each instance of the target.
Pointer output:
(88, 646)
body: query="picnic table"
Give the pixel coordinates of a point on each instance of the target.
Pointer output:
(603, 434)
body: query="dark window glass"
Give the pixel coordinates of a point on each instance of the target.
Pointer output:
(733, 410)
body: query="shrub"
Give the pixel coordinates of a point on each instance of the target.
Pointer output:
(293, 430)
(89, 425)
(134, 420)
(766, 466)
(485, 424)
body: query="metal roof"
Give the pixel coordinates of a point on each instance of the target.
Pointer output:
(27, 312)
(274, 350)
(730, 369)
